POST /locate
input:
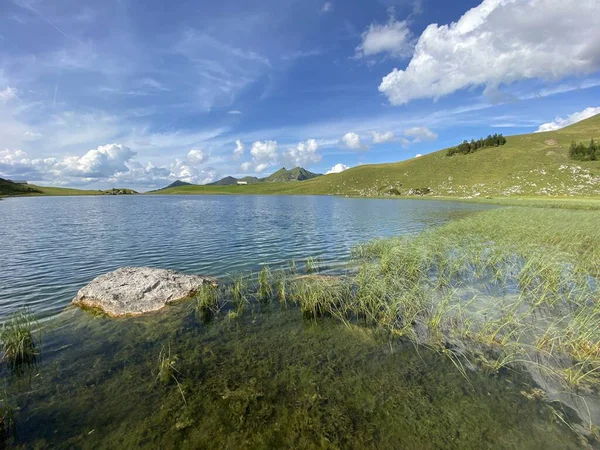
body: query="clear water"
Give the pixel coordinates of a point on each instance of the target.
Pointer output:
(266, 379)
(52, 246)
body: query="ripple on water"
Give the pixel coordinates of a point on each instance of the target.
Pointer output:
(52, 246)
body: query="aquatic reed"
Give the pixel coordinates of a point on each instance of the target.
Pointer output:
(19, 346)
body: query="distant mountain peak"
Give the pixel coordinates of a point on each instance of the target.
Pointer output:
(177, 183)
(295, 174)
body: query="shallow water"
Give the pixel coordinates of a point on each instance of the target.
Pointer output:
(52, 246)
(268, 379)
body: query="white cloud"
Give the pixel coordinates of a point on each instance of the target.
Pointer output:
(380, 138)
(103, 161)
(245, 166)
(420, 134)
(261, 167)
(304, 153)
(197, 156)
(418, 155)
(234, 112)
(339, 167)
(393, 38)
(352, 141)
(264, 154)
(8, 94)
(112, 163)
(239, 150)
(559, 122)
(500, 41)
(327, 7)
(264, 151)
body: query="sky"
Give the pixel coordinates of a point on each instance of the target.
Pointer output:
(138, 94)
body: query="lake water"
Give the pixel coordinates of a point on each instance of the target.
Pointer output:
(268, 377)
(52, 246)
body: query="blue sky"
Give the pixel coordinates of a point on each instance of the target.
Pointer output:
(140, 93)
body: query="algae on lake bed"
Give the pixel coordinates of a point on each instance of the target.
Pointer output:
(268, 380)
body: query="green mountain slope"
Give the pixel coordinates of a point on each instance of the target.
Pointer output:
(9, 188)
(12, 189)
(230, 181)
(295, 174)
(535, 164)
(177, 184)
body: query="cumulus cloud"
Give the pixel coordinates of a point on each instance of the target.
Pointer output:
(264, 154)
(420, 134)
(380, 138)
(339, 167)
(303, 153)
(499, 42)
(352, 141)
(559, 122)
(239, 150)
(260, 168)
(418, 155)
(327, 7)
(245, 166)
(112, 163)
(393, 38)
(264, 151)
(197, 156)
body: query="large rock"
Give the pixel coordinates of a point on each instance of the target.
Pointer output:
(138, 290)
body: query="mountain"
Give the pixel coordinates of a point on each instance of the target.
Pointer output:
(177, 184)
(295, 174)
(227, 181)
(535, 164)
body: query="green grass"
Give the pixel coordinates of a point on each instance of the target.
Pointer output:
(207, 302)
(535, 164)
(20, 348)
(11, 189)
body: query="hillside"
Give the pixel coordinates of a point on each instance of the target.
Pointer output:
(535, 164)
(295, 174)
(230, 181)
(9, 188)
(177, 184)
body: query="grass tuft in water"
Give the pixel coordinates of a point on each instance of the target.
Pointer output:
(19, 347)
(166, 369)
(265, 290)
(8, 429)
(239, 293)
(207, 302)
(312, 265)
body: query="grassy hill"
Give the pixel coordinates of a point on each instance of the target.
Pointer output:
(8, 189)
(528, 165)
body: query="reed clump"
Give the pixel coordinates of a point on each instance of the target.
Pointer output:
(20, 348)
(207, 302)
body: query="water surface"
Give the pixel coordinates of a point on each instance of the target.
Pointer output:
(52, 246)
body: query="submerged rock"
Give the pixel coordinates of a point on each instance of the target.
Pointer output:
(138, 290)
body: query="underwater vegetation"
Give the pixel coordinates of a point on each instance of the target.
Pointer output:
(19, 346)
(481, 333)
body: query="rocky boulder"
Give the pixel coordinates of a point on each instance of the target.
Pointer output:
(138, 290)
